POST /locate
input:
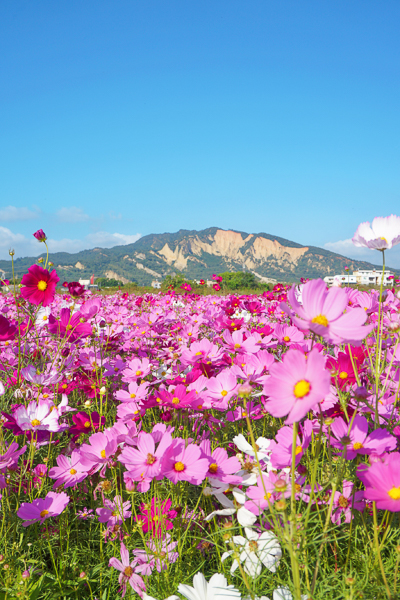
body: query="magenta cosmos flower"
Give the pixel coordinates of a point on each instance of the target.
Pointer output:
(70, 326)
(39, 285)
(296, 385)
(357, 441)
(382, 234)
(43, 508)
(127, 573)
(156, 516)
(382, 482)
(182, 463)
(322, 311)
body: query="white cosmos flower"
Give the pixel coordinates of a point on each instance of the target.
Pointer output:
(262, 445)
(382, 234)
(283, 593)
(42, 316)
(257, 550)
(147, 597)
(215, 589)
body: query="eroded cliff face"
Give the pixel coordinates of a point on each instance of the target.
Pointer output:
(230, 246)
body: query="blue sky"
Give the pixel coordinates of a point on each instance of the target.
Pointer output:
(122, 118)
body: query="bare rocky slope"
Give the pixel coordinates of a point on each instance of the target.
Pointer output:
(198, 254)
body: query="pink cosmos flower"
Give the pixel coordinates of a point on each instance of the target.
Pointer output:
(43, 508)
(343, 503)
(69, 471)
(158, 554)
(221, 467)
(39, 285)
(201, 351)
(137, 369)
(281, 455)
(156, 517)
(296, 385)
(358, 441)
(222, 387)
(382, 482)
(382, 234)
(10, 457)
(114, 513)
(145, 461)
(270, 488)
(182, 463)
(127, 572)
(235, 342)
(178, 397)
(85, 423)
(323, 313)
(98, 452)
(135, 392)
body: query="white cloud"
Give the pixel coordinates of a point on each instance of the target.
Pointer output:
(15, 213)
(348, 249)
(72, 214)
(31, 247)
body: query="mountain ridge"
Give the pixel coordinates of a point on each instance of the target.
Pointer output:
(197, 254)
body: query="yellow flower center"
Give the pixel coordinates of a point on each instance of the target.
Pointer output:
(42, 285)
(103, 454)
(128, 571)
(357, 446)
(69, 327)
(298, 450)
(73, 471)
(138, 373)
(213, 468)
(87, 424)
(286, 338)
(343, 375)
(44, 513)
(236, 346)
(384, 239)
(394, 493)
(133, 395)
(224, 393)
(320, 320)
(302, 388)
(35, 423)
(268, 496)
(151, 459)
(179, 466)
(198, 353)
(175, 400)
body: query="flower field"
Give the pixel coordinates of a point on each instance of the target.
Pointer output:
(205, 447)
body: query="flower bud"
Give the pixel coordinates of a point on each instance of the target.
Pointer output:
(280, 505)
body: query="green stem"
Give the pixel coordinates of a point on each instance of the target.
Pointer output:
(378, 550)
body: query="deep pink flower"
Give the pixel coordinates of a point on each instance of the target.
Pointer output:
(322, 311)
(39, 285)
(127, 572)
(10, 457)
(76, 289)
(43, 508)
(296, 385)
(156, 517)
(382, 482)
(85, 423)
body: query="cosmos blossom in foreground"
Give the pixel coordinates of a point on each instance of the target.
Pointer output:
(43, 508)
(127, 574)
(382, 482)
(323, 312)
(382, 234)
(39, 286)
(296, 385)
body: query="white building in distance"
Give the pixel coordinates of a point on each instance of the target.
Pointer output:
(360, 277)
